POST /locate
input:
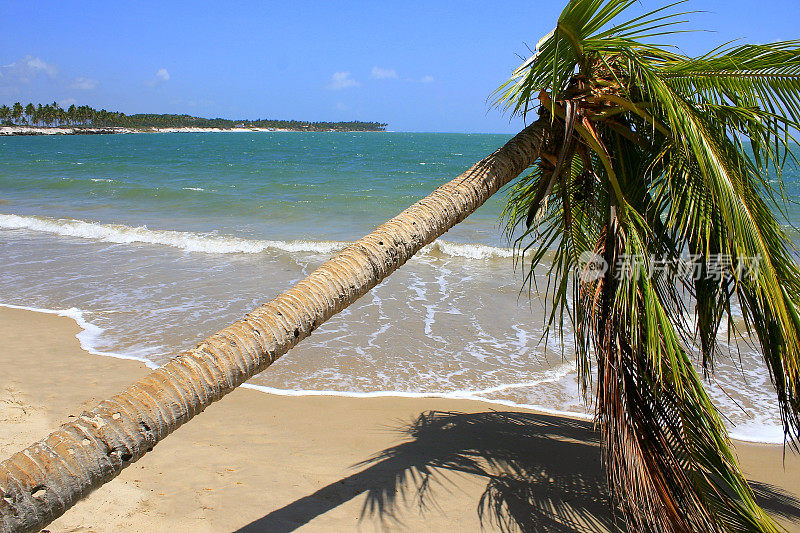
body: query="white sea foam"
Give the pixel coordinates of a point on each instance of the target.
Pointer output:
(468, 251)
(759, 432)
(221, 244)
(452, 395)
(193, 189)
(106, 180)
(185, 240)
(90, 334)
(550, 376)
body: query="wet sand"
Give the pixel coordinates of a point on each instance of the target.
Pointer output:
(259, 462)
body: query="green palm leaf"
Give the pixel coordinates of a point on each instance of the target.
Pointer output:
(647, 159)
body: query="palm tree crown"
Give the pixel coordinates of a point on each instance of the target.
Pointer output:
(647, 165)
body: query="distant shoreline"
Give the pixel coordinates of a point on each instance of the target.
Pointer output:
(8, 131)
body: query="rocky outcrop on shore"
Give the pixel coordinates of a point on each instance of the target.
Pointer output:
(35, 130)
(29, 130)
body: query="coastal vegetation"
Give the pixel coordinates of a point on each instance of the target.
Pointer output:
(53, 115)
(637, 155)
(651, 202)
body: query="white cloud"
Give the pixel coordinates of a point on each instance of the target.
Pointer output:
(30, 75)
(161, 76)
(26, 69)
(340, 106)
(342, 80)
(17, 76)
(380, 73)
(83, 84)
(426, 79)
(66, 102)
(36, 64)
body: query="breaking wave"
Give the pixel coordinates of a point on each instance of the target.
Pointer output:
(217, 244)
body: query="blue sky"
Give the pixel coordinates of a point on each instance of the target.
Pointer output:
(418, 65)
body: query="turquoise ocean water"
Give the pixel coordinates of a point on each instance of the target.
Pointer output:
(154, 241)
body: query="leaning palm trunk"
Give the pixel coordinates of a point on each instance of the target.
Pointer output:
(40, 483)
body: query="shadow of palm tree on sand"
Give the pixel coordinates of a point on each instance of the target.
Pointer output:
(542, 473)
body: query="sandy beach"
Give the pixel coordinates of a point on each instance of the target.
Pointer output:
(260, 462)
(38, 130)
(64, 130)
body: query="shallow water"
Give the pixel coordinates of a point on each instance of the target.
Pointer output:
(162, 239)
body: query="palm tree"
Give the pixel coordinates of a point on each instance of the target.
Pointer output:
(5, 113)
(29, 111)
(72, 114)
(16, 111)
(638, 151)
(40, 483)
(56, 113)
(646, 162)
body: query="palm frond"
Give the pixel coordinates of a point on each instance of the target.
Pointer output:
(760, 82)
(660, 137)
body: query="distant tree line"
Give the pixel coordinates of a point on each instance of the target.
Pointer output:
(52, 115)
